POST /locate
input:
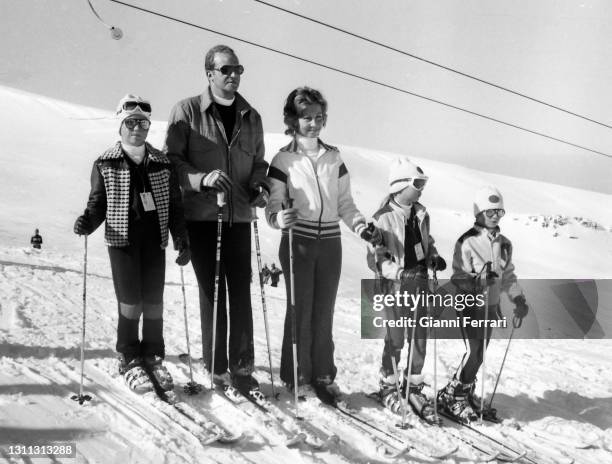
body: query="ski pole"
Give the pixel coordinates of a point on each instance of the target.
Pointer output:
(192, 387)
(378, 288)
(435, 353)
(516, 323)
(263, 302)
(220, 204)
(293, 318)
(409, 371)
(484, 342)
(81, 398)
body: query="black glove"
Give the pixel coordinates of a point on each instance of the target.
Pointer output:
(371, 234)
(490, 278)
(521, 308)
(417, 275)
(217, 180)
(82, 226)
(184, 252)
(260, 197)
(438, 263)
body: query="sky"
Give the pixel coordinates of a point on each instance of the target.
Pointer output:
(551, 50)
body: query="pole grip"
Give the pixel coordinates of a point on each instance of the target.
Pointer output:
(220, 199)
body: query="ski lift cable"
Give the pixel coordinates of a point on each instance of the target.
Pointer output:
(433, 63)
(363, 78)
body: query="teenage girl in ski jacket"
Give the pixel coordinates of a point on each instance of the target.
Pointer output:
(134, 189)
(313, 175)
(481, 244)
(400, 263)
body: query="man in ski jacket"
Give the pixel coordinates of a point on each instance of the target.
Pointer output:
(36, 240)
(215, 141)
(275, 275)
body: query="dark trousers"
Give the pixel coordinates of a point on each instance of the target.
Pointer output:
(317, 266)
(394, 342)
(473, 337)
(138, 276)
(235, 275)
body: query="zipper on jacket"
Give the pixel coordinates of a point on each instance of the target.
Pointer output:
(316, 174)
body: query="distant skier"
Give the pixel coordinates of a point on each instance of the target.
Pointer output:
(479, 245)
(313, 175)
(401, 262)
(265, 274)
(134, 189)
(275, 275)
(36, 240)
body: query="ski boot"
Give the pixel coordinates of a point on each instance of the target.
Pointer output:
(453, 400)
(155, 367)
(488, 414)
(249, 387)
(327, 390)
(387, 394)
(420, 404)
(134, 375)
(305, 391)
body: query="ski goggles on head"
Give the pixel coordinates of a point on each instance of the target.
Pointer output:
(228, 69)
(500, 212)
(145, 107)
(417, 183)
(131, 123)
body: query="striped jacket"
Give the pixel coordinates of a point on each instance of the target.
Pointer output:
(473, 249)
(321, 197)
(109, 198)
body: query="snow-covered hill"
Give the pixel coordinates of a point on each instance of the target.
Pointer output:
(555, 394)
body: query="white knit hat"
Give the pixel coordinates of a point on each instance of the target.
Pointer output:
(487, 197)
(401, 174)
(123, 113)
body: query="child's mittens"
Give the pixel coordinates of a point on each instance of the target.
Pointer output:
(521, 308)
(438, 263)
(369, 233)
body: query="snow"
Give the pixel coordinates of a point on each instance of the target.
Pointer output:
(556, 395)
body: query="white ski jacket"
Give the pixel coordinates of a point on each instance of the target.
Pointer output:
(391, 221)
(473, 249)
(322, 197)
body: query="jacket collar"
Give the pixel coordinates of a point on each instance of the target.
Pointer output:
(419, 209)
(483, 230)
(206, 99)
(115, 152)
(292, 147)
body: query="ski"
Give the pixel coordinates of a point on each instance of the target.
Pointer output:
(503, 447)
(367, 423)
(176, 409)
(256, 407)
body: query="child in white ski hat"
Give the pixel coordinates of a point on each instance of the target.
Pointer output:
(401, 263)
(134, 190)
(482, 258)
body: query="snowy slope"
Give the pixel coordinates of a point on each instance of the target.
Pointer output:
(555, 394)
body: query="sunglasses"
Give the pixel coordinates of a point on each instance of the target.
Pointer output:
(497, 211)
(132, 105)
(132, 123)
(228, 69)
(417, 183)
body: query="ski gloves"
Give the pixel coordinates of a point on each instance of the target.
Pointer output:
(184, 251)
(83, 226)
(521, 308)
(370, 233)
(261, 196)
(417, 275)
(285, 218)
(438, 263)
(217, 180)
